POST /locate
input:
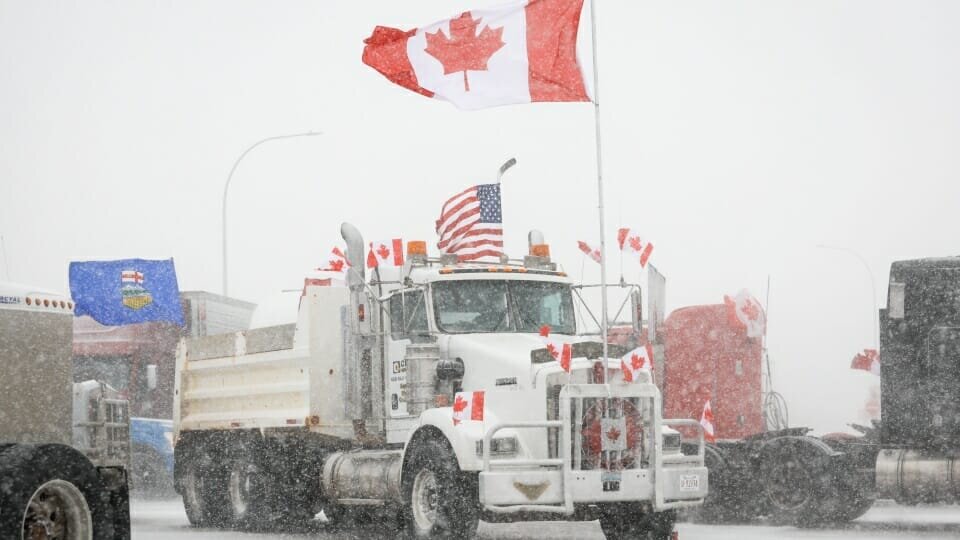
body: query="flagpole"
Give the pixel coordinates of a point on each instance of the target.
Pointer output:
(603, 241)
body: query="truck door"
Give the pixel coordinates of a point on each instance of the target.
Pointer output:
(408, 324)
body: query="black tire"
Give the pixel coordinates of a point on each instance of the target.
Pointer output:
(204, 496)
(57, 485)
(797, 480)
(248, 491)
(148, 473)
(629, 521)
(440, 501)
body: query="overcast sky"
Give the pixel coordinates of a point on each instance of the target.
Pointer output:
(737, 136)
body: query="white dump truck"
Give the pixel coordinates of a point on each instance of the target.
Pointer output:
(64, 447)
(425, 399)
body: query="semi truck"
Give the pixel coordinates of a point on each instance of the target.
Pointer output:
(64, 447)
(424, 398)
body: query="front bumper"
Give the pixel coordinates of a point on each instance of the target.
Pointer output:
(557, 484)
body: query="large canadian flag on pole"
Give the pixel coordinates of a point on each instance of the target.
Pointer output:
(522, 52)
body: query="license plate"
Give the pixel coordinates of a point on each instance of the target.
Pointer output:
(689, 482)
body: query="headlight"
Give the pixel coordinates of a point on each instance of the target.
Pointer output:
(671, 442)
(501, 446)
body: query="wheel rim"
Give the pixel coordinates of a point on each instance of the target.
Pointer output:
(242, 487)
(57, 511)
(191, 492)
(789, 485)
(425, 501)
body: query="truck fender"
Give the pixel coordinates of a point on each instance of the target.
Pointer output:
(438, 423)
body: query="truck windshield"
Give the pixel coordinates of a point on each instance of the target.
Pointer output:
(502, 306)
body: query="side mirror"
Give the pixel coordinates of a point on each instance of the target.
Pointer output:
(636, 311)
(152, 376)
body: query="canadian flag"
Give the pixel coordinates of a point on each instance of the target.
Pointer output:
(386, 252)
(629, 240)
(468, 406)
(521, 52)
(635, 361)
(746, 310)
(706, 420)
(868, 360)
(337, 262)
(561, 352)
(590, 251)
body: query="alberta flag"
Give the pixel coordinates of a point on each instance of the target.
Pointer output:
(127, 291)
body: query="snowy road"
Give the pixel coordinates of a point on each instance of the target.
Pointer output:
(156, 520)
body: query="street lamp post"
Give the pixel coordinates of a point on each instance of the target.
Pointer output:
(226, 187)
(873, 291)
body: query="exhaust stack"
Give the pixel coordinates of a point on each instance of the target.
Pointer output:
(355, 254)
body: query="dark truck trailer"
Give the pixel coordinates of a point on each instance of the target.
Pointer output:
(920, 383)
(63, 447)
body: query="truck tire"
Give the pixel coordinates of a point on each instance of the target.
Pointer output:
(54, 488)
(796, 479)
(248, 493)
(440, 501)
(204, 497)
(628, 521)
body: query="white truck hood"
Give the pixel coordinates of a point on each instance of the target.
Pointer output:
(490, 359)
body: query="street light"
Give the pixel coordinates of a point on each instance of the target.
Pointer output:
(873, 290)
(226, 187)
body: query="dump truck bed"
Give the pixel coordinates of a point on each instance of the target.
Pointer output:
(285, 376)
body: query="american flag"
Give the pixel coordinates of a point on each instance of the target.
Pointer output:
(471, 223)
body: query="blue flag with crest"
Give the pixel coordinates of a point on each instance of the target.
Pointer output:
(127, 291)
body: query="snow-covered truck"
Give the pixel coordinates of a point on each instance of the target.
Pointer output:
(355, 410)
(64, 448)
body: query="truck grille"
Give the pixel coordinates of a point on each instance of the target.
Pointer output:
(607, 433)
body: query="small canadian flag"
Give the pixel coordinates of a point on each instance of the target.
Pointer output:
(745, 310)
(590, 251)
(868, 360)
(706, 420)
(337, 262)
(386, 253)
(630, 240)
(561, 352)
(635, 361)
(468, 406)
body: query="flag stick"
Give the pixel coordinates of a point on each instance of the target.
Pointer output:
(596, 121)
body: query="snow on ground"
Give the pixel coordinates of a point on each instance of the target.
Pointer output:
(161, 519)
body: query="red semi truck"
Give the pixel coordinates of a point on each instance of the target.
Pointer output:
(756, 470)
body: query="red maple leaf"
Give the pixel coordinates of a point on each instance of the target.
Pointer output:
(464, 49)
(613, 434)
(635, 243)
(637, 361)
(336, 265)
(545, 330)
(552, 349)
(751, 310)
(458, 406)
(383, 251)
